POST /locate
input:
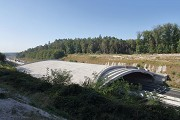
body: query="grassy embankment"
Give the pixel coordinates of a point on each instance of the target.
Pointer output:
(75, 102)
(172, 62)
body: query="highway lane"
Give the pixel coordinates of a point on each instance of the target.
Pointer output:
(173, 93)
(163, 90)
(15, 61)
(168, 95)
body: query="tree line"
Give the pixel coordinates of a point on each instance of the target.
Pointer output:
(161, 39)
(99, 45)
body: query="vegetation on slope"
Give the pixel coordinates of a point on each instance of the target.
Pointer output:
(162, 39)
(76, 102)
(2, 57)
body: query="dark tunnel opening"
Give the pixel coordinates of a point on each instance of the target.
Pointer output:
(138, 77)
(146, 80)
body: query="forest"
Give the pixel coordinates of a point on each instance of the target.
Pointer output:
(161, 39)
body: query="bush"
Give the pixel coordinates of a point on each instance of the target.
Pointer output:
(178, 74)
(22, 81)
(85, 103)
(2, 57)
(73, 60)
(79, 102)
(173, 72)
(62, 77)
(2, 96)
(139, 66)
(59, 54)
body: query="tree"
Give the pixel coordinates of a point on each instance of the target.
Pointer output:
(78, 47)
(161, 39)
(178, 46)
(112, 47)
(91, 46)
(58, 54)
(105, 45)
(139, 43)
(2, 57)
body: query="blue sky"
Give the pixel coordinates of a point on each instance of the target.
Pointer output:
(28, 23)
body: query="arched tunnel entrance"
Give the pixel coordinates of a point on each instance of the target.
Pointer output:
(146, 80)
(138, 77)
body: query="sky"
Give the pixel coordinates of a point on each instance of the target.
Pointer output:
(28, 23)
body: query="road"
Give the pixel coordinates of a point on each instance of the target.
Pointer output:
(15, 61)
(168, 95)
(173, 92)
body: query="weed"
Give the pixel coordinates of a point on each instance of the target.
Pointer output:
(173, 72)
(178, 75)
(139, 66)
(73, 61)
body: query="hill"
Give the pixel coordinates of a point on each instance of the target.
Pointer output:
(161, 39)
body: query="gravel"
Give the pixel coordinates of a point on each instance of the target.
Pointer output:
(78, 70)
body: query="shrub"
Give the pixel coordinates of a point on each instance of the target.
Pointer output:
(88, 83)
(59, 54)
(173, 72)
(2, 57)
(55, 77)
(98, 52)
(178, 74)
(79, 102)
(139, 66)
(73, 60)
(22, 81)
(2, 96)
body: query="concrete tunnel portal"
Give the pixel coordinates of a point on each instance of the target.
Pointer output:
(148, 80)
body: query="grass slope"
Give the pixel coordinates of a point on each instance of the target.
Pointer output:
(79, 103)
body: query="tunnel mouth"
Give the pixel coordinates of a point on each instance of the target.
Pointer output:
(145, 80)
(138, 77)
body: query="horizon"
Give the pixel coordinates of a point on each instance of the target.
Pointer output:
(27, 24)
